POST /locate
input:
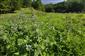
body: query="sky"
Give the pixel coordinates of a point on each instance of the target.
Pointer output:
(51, 1)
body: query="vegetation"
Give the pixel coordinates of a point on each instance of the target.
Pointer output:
(31, 32)
(7, 6)
(38, 5)
(65, 7)
(42, 34)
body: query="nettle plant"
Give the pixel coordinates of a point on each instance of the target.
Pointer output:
(28, 36)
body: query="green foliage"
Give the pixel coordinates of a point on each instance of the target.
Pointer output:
(65, 7)
(7, 6)
(48, 35)
(36, 4)
(14, 4)
(49, 8)
(27, 3)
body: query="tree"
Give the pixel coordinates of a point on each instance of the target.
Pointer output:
(14, 4)
(27, 3)
(73, 1)
(79, 4)
(3, 4)
(9, 5)
(37, 4)
(49, 8)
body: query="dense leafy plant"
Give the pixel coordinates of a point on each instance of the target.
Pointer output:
(29, 36)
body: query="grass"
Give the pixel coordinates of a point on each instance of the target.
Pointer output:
(29, 32)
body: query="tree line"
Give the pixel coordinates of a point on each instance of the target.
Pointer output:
(64, 7)
(9, 6)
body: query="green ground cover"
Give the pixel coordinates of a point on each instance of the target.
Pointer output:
(34, 33)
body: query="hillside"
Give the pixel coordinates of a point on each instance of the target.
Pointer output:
(29, 32)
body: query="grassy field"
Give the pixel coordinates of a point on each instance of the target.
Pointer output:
(34, 33)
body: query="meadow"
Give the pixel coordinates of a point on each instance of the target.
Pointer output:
(29, 32)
